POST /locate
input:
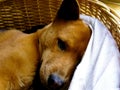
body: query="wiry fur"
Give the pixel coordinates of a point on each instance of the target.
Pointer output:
(63, 62)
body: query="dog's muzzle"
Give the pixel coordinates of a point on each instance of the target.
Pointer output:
(55, 82)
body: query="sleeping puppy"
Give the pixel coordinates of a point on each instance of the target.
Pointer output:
(53, 51)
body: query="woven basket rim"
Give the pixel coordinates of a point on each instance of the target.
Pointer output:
(111, 11)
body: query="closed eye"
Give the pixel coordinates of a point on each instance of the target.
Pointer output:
(62, 45)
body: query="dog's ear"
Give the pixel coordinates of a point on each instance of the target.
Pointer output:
(69, 10)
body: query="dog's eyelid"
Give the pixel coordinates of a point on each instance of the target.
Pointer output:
(62, 44)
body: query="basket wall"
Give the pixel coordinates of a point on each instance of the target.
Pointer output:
(102, 12)
(24, 14)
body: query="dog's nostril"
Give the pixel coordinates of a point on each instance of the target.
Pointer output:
(55, 82)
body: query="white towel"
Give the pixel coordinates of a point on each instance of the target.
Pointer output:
(100, 65)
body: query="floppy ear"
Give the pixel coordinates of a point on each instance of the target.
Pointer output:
(69, 10)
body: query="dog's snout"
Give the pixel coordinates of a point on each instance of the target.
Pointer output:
(55, 82)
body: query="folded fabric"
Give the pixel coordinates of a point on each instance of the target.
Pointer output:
(100, 65)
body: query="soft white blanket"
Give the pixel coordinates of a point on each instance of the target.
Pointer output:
(100, 66)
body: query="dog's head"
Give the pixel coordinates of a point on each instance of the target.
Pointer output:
(63, 43)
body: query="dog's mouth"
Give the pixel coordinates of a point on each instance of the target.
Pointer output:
(55, 82)
(54, 78)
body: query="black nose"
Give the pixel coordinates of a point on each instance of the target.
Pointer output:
(55, 82)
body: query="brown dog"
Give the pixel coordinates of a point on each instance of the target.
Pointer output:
(59, 47)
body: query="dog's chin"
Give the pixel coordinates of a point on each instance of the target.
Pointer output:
(64, 87)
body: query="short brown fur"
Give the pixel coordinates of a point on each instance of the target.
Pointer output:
(21, 53)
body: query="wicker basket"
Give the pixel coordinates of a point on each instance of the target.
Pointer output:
(24, 14)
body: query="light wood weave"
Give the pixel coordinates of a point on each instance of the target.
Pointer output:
(102, 12)
(23, 14)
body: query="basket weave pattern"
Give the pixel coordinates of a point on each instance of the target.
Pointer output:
(100, 11)
(23, 14)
